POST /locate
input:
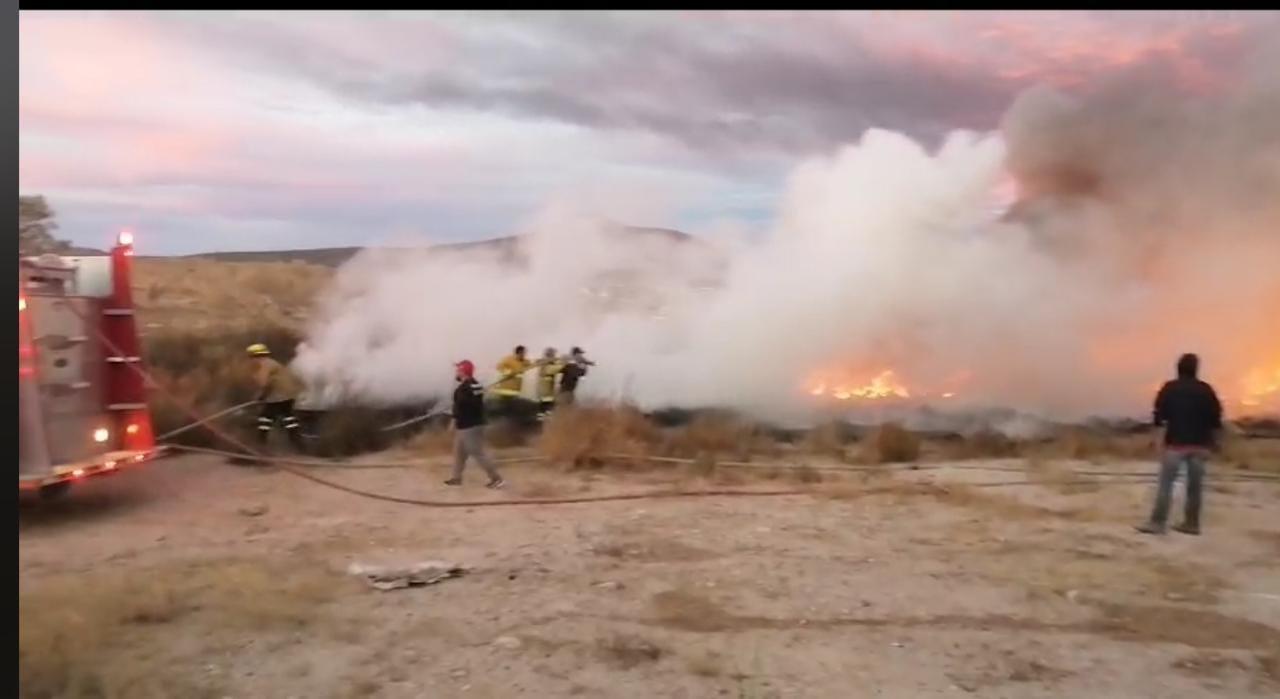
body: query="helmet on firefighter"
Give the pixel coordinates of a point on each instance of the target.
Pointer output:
(466, 368)
(258, 349)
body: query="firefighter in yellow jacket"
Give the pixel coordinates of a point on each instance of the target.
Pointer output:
(511, 376)
(278, 388)
(549, 368)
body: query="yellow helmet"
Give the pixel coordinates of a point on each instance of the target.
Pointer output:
(258, 349)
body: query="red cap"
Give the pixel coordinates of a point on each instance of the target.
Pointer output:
(466, 368)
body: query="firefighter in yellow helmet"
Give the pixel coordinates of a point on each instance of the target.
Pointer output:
(549, 368)
(278, 388)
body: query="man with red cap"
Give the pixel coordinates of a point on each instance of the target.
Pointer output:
(468, 423)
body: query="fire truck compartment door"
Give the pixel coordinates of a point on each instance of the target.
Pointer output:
(70, 371)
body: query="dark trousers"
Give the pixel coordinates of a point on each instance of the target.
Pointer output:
(1170, 464)
(279, 412)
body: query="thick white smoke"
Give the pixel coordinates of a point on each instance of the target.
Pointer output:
(1131, 244)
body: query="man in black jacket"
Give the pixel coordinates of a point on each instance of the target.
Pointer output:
(468, 423)
(1191, 414)
(573, 371)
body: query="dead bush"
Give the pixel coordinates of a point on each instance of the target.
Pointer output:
(349, 431)
(1087, 445)
(827, 439)
(432, 441)
(1059, 477)
(715, 433)
(1250, 454)
(505, 434)
(891, 443)
(985, 444)
(586, 436)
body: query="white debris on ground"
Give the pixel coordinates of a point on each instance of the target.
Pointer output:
(395, 577)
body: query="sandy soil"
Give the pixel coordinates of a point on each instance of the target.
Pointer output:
(199, 578)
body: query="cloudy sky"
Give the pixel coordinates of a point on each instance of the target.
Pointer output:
(260, 130)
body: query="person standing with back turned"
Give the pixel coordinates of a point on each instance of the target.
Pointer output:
(468, 424)
(1191, 414)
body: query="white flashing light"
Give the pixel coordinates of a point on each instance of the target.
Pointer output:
(22, 304)
(125, 238)
(101, 435)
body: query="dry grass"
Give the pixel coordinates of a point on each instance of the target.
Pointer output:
(1059, 477)
(1251, 454)
(206, 295)
(890, 443)
(588, 436)
(982, 445)
(714, 434)
(828, 439)
(1084, 444)
(93, 635)
(349, 431)
(433, 441)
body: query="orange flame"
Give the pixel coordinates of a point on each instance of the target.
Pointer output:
(1261, 387)
(882, 385)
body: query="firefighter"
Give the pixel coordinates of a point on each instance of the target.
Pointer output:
(510, 378)
(468, 425)
(278, 388)
(570, 373)
(549, 368)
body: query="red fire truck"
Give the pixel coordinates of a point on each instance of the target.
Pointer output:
(82, 404)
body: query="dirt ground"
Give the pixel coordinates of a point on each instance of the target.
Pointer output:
(197, 578)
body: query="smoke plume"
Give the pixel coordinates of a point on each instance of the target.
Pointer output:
(1147, 223)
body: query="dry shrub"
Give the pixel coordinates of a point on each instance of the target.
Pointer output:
(196, 293)
(703, 466)
(986, 444)
(1247, 454)
(890, 443)
(505, 434)
(1059, 477)
(94, 634)
(1091, 445)
(432, 441)
(584, 436)
(350, 431)
(827, 439)
(714, 433)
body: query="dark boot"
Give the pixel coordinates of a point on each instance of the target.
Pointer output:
(1187, 528)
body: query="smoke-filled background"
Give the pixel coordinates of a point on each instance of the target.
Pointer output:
(1145, 222)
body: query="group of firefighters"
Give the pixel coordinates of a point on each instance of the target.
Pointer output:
(558, 377)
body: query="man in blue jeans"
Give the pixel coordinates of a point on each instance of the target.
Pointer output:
(1191, 414)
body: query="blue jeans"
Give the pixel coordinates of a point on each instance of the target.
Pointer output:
(1170, 464)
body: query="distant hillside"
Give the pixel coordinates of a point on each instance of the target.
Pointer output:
(334, 257)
